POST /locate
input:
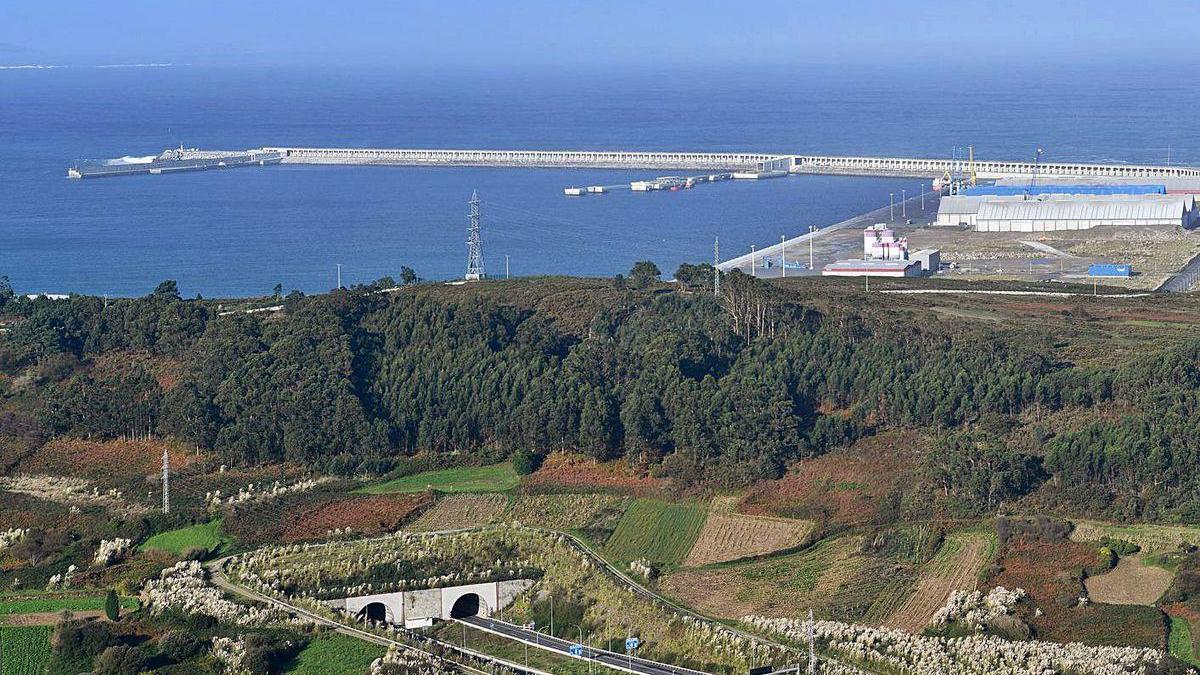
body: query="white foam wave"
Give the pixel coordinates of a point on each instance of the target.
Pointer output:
(31, 66)
(136, 65)
(130, 160)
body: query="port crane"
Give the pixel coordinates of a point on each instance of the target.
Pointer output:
(1037, 157)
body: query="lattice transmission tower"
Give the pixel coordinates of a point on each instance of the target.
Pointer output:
(474, 242)
(166, 480)
(716, 270)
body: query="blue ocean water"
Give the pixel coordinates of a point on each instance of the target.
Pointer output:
(241, 232)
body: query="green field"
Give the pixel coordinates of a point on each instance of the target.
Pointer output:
(37, 602)
(661, 532)
(1180, 641)
(336, 654)
(24, 650)
(205, 535)
(495, 478)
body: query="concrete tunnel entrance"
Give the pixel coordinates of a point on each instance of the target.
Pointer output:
(467, 605)
(375, 611)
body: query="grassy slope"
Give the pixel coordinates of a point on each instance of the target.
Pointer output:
(24, 650)
(335, 654)
(658, 531)
(495, 478)
(204, 535)
(1180, 641)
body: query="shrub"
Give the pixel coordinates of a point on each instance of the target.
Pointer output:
(525, 461)
(82, 639)
(112, 606)
(1120, 547)
(179, 645)
(119, 660)
(263, 652)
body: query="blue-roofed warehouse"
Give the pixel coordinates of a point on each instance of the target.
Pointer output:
(1110, 270)
(1014, 190)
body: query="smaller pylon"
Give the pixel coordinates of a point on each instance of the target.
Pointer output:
(166, 478)
(716, 261)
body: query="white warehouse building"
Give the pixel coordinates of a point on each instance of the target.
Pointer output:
(1053, 215)
(1049, 213)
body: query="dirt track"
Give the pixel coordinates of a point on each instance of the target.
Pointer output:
(46, 618)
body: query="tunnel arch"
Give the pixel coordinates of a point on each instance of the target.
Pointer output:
(468, 604)
(376, 612)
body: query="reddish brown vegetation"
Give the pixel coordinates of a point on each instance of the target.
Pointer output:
(846, 487)
(364, 515)
(166, 370)
(1051, 572)
(573, 473)
(105, 459)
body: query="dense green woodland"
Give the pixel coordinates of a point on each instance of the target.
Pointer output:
(720, 392)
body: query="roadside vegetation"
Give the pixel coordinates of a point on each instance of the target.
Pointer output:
(335, 654)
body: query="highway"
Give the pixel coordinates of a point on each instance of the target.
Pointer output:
(553, 644)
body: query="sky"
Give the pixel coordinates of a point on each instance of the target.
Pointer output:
(563, 34)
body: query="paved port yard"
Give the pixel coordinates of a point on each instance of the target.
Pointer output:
(839, 241)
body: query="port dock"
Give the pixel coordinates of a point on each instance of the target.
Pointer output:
(740, 164)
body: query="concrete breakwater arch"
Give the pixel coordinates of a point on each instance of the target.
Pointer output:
(422, 607)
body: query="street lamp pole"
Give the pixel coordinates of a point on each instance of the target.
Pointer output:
(783, 254)
(891, 207)
(811, 230)
(752, 260)
(904, 203)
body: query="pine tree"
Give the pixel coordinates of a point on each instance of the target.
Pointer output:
(112, 606)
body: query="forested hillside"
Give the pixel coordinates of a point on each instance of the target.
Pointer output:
(701, 390)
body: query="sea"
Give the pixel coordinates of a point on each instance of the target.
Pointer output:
(240, 232)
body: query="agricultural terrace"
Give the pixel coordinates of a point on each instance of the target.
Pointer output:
(956, 567)
(566, 511)
(458, 511)
(13, 603)
(1130, 582)
(729, 536)
(495, 478)
(833, 577)
(604, 608)
(24, 650)
(1150, 538)
(657, 531)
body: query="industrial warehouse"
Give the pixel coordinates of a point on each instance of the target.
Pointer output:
(1007, 207)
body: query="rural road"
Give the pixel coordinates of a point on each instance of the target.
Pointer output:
(543, 641)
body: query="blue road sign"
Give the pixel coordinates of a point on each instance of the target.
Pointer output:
(631, 643)
(576, 650)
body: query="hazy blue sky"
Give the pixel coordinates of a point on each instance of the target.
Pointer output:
(561, 33)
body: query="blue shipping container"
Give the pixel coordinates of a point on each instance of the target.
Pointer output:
(1110, 270)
